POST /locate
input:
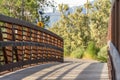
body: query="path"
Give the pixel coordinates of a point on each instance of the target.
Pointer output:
(69, 70)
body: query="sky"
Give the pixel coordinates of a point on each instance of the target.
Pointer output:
(72, 2)
(69, 2)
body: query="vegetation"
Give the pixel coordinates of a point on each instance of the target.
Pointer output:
(78, 53)
(84, 34)
(29, 10)
(88, 31)
(91, 51)
(102, 54)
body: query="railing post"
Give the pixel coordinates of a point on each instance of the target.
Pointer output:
(3, 48)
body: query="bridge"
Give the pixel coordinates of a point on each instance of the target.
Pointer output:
(74, 69)
(28, 52)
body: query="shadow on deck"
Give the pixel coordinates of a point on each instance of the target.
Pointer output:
(69, 70)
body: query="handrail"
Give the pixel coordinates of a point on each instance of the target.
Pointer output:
(11, 20)
(22, 43)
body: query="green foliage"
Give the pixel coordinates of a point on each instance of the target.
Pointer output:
(24, 9)
(99, 21)
(78, 29)
(102, 54)
(91, 51)
(66, 51)
(63, 8)
(78, 53)
(73, 29)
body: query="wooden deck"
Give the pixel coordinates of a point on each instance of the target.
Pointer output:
(69, 70)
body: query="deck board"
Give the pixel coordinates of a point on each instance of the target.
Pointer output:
(69, 70)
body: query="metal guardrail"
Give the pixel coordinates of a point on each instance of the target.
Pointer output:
(22, 43)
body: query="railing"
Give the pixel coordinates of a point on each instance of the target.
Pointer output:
(114, 59)
(114, 41)
(22, 43)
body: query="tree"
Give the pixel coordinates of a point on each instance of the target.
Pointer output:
(24, 9)
(72, 27)
(78, 29)
(99, 21)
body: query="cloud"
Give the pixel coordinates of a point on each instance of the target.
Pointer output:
(69, 2)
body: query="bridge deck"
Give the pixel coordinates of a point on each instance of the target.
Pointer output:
(69, 70)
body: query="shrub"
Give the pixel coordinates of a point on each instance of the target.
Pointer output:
(91, 51)
(77, 53)
(66, 52)
(102, 54)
